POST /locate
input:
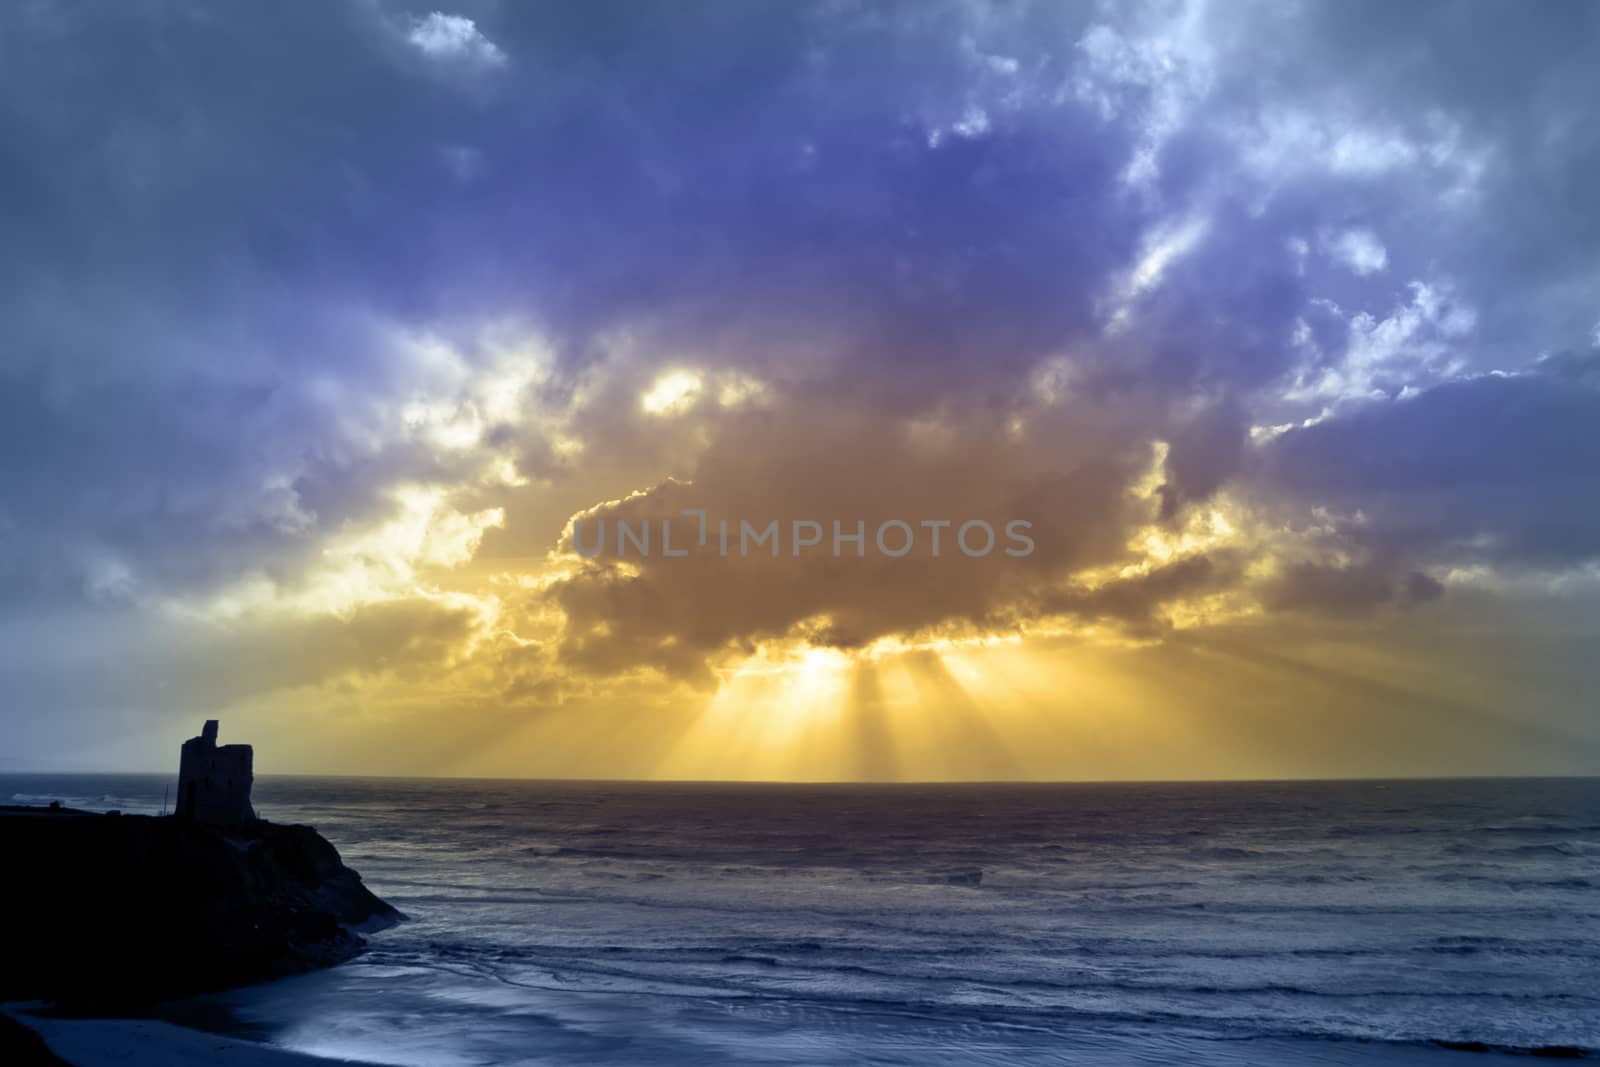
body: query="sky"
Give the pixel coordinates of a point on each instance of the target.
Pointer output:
(328, 323)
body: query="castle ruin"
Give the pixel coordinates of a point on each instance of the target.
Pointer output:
(214, 780)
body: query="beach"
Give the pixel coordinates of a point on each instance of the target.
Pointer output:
(150, 1043)
(136, 1042)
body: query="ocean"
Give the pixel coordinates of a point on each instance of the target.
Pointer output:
(568, 922)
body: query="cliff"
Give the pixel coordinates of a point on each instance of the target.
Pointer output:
(117, 911)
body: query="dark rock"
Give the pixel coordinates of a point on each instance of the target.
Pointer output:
(100, 912)
(21, 1047)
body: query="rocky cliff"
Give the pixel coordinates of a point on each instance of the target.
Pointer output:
(117, 911)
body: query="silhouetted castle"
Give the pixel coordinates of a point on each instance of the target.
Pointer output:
(214, 781)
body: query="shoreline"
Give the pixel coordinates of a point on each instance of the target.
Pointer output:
(94, 1042)
(105, 1042)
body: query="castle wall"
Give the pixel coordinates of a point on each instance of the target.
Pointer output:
(214, 780)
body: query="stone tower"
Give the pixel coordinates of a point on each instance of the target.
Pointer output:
(214, 780)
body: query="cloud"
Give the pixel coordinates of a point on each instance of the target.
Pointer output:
(1489, 469)
(1136, 599)
(454, 39)
(1353, 590)
(784, 464)
(1360, 250)
(373, 338)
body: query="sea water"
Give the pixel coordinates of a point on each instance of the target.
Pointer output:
(561, 922)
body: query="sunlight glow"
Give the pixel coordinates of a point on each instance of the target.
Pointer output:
(390, 559)
(673, 393)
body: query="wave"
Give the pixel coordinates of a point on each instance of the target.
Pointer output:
(1135, 1018)
(100, 802)
(1457, 917)
(1555, 849)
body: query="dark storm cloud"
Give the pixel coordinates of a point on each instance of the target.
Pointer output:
(830, 461)
(198, 237)
(218, 220)
(1348, 591)
(197, 240)
(1494, 469)
(1203, 452)
(200, 240)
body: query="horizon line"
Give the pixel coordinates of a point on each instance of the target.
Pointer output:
(1311, 779)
